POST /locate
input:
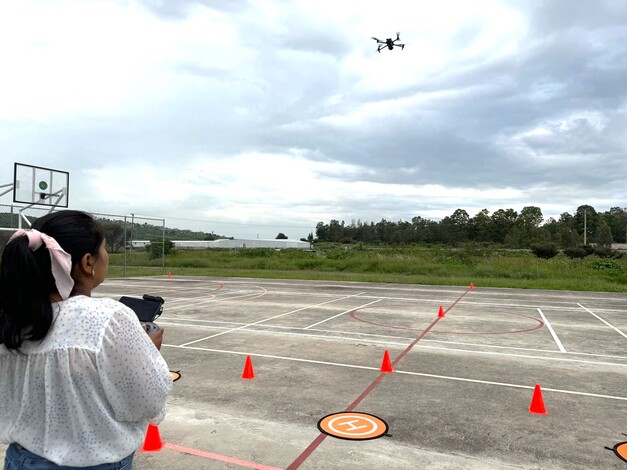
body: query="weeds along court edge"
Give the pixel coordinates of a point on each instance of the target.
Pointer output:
(437, 265)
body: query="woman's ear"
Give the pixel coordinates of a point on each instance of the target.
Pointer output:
(87, 265)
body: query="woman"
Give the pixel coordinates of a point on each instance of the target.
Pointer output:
(79, 377)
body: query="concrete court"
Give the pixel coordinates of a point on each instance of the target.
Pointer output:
(457, 399)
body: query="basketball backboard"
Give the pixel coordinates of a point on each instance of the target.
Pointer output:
(38, 185)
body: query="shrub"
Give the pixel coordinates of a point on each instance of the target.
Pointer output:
(576, 252)
(604, 252)
(157, 248)
(545, 250)
(606, 265)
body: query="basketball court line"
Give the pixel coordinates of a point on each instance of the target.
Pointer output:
(348, 284)
(438, 348)
(356, 285)
(178, 321)
(572, 308)
(271, 318)
(343, 313)
(419, 374)
(598, 317)
(215, 299)
(555, 338)
(569, 305)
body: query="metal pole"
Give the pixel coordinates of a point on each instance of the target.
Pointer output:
(125, 247)
(132, 223)
(163, 249)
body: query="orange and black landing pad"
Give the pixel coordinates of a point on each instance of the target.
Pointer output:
(353, 426)
(176, 374)
(620, 450)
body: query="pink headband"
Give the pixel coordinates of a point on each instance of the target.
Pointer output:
(60, 260)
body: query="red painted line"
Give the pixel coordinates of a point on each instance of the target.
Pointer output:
(221, 458)
(321, 437)
(307, 452)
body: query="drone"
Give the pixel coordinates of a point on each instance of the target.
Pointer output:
(389, 43)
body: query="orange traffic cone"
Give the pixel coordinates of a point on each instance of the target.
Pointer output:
(152, 442)
(441, 312)
(169, 275)
(386, 365)
(248, 369)
(472, 286)
(537, 403)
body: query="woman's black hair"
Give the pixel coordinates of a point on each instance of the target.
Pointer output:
(26, 281)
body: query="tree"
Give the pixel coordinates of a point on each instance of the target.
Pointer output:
(336, 230)
(566, 220)
(526, 231)
(480, 226)
(569, 237)
(530, 217)
(616, 218)
(587, 217)
(281, 236)
(114, 234)
(456, 226)
(603, 235)
(502, 223)
(323, 233)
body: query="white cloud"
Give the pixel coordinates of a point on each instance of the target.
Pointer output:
(266, 112)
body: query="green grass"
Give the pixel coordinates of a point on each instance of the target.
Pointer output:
(488, 267)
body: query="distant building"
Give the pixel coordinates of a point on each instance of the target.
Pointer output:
(231, 244)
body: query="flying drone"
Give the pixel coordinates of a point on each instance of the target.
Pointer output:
(389, 43)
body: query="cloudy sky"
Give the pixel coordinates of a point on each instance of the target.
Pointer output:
(249, 118)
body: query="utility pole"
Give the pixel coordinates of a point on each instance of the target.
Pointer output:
(585, 229)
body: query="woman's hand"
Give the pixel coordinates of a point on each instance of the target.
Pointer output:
(156, 336)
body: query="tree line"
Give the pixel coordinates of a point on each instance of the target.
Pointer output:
(117, 231)
(508, 227)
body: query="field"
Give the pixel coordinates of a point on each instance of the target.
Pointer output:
(436, 265)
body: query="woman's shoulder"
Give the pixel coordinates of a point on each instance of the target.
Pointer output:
(92, 307)
(81, 320)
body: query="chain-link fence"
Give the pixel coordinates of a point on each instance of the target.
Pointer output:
(136, 244)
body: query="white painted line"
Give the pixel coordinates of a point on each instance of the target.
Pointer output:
(467, 301)
(444, 377)
(548, 325)
(343, 313)
(611, 326)
(271, 318)
(357, 336)
(402, 342)
(487, 382)
(214, 300)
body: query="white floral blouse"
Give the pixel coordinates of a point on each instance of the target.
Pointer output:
(85, 393)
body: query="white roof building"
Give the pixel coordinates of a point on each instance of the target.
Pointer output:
(241, 243)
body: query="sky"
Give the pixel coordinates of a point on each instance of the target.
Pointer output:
(250, 118)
